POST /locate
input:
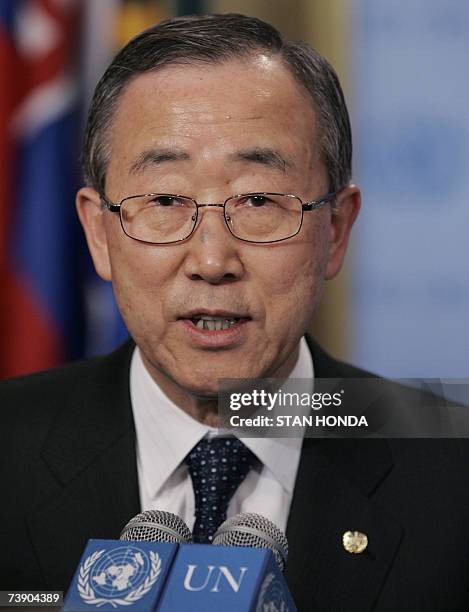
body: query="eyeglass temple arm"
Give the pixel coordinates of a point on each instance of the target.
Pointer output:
(318, 203)
(109, 205)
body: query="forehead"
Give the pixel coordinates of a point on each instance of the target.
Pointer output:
(215, 109)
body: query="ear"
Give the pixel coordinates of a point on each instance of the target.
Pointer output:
(92, 217)
(345, 212)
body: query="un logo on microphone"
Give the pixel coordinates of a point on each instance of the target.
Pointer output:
(118, 577)
(272, 595)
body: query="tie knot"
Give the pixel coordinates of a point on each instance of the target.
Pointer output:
(217, 467)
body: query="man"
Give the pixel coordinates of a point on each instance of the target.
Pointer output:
(218, 201)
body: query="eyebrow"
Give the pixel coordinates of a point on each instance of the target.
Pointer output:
(155, 156)
(265, 156)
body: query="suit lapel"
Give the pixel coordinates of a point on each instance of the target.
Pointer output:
(334, 494)
(90, 451)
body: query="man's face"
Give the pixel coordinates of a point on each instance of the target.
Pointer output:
(215, 131)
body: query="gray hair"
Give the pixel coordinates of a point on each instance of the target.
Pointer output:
(214, 39)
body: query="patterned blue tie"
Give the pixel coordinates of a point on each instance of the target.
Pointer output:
(217, 467)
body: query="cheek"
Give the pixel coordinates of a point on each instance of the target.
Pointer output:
(295, 280)
(140, 277)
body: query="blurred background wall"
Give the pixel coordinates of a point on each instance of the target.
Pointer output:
(400, 307)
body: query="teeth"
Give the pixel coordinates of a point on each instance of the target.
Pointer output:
(213, 323)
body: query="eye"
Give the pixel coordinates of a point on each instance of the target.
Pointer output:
(257, 201)
(166, 201)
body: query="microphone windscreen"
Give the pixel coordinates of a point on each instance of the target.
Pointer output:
(254, 531)
(157, 526)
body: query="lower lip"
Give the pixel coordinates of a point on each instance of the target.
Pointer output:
(217, 338)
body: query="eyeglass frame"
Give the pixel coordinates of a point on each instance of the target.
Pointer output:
(305, 207)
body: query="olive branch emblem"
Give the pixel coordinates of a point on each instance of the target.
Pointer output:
(265, 585)
(88, 595)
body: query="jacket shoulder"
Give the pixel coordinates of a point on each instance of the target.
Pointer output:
(326, 366)
(44, 393)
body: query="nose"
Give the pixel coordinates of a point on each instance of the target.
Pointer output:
(214, 254)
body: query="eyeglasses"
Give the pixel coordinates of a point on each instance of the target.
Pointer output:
(162, 218)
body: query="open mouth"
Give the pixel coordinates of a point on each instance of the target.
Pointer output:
(209, 323)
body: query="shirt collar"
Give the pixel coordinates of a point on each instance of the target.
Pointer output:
(282, 455)
(166, 433)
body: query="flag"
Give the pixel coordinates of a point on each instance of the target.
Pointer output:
(41, 264)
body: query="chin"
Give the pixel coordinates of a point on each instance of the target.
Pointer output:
(207, 390)
(208, 387)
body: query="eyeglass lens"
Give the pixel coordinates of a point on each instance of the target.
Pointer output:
(256, 218)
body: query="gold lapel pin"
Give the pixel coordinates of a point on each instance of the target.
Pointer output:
(355, 542)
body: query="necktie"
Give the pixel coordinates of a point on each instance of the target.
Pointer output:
(217, 467)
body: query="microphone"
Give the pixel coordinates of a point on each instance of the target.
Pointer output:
(154, 566)
(253, 531)
(156, 526)
(129, 572)
(240, 571)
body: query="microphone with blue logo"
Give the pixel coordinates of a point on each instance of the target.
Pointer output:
(240, 572)
(159, 569)
(131, 572)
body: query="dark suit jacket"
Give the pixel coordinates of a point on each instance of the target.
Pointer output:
(69, 473)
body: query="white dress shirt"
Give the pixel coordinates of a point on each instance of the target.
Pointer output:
(166, 434)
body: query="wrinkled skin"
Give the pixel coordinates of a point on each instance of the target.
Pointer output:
(208, 115)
